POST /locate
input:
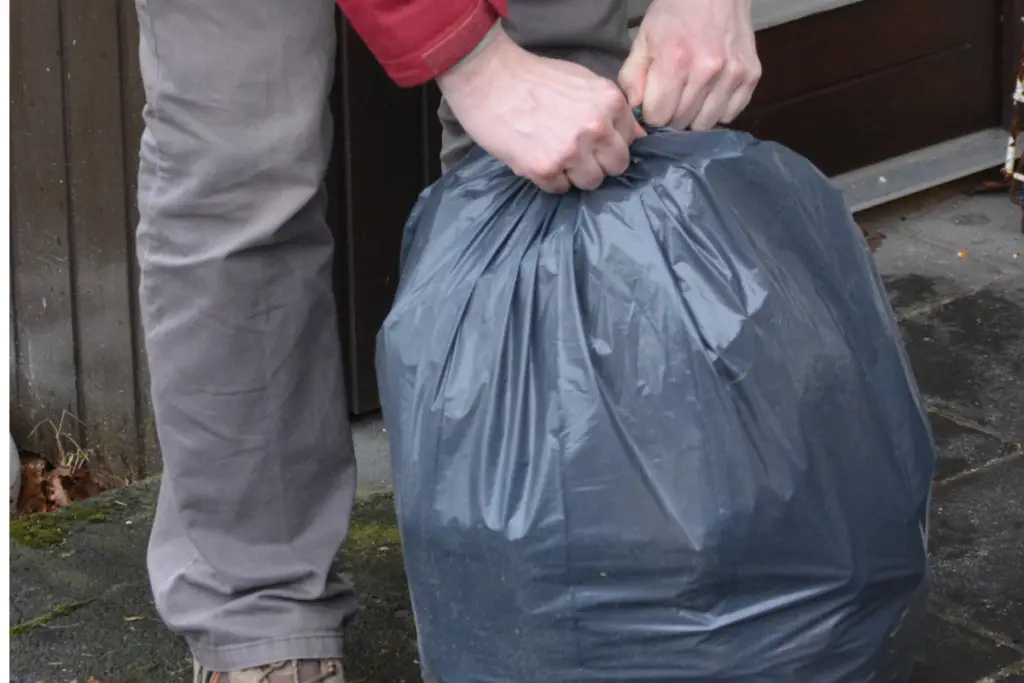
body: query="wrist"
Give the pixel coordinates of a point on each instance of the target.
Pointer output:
(469, 68)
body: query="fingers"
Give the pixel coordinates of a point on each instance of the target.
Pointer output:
(555, 183)
(603, 151)
(712, 92)
(612, 157)
(633, 75)
(587, 146)
(600, 149)
(666, 81)
(694, 66)
(586, 172)
(628, 128)
(700, 85)
(708, 108)
(743, 94)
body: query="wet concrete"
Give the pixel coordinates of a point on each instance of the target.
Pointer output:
(87, 612)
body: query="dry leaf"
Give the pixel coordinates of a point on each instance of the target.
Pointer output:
(874, 238)
(33, 496)
(80, 485)
(991, 186)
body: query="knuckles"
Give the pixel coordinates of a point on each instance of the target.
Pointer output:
(710, 66)
(754, 73)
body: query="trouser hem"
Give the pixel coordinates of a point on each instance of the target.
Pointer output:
(261, 653)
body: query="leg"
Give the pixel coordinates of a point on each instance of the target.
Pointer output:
(241, 330)
(590, 33)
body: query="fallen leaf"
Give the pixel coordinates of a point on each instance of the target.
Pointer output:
(994, 180)
(80, 485)
(990, 186)
(33, 495)
(874, 238)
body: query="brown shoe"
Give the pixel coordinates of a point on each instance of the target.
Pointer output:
(305, 671)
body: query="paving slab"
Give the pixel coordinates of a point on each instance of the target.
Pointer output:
(968, 357)
(920, 275)
(977, 550)
(986, 227)
(982, 226)
(954, 654)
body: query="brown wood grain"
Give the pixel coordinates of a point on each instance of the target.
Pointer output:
(42, 302)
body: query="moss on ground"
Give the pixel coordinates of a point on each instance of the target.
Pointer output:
(46, 617)
(381, 644)
(49, 529)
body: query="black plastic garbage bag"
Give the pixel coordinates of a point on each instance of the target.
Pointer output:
(661, 431)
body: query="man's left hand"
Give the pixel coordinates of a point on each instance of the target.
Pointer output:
(693, 63)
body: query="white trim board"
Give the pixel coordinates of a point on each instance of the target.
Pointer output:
(922, 169)
(764, 13)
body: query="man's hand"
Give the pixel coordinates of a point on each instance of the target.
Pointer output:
(693, 63)
(554, 122)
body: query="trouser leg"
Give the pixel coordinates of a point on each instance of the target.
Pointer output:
(593, 33)
(241, 330)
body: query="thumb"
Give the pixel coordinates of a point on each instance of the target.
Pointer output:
(633, 75)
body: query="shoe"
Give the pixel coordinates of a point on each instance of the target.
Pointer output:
(303, 671)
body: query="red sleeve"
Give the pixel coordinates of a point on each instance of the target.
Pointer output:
(415, 40)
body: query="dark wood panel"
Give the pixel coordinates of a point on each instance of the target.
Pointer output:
(864, 38)
(96, 156)
(381, 170)
(885, 114)
(41, 298)
(133, 99)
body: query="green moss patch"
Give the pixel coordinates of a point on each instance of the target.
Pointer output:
(49, 529)
(381, 644)
(45, 618)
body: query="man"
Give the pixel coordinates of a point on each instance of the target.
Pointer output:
(237, 303)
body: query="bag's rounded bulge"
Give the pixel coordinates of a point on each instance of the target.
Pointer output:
(661, 431)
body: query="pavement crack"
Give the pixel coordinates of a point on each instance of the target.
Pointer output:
(978, 630)
(995, 462)
(1004, 673)
(953, 414)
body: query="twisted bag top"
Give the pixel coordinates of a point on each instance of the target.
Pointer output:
(661, 431)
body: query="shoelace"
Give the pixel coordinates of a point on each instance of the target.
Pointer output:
(332, 670)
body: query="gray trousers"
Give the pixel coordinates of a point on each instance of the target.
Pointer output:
(239, 312)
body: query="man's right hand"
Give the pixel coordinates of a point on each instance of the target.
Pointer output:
(552, 121)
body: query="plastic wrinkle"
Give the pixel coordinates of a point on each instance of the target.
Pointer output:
(665, 431)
